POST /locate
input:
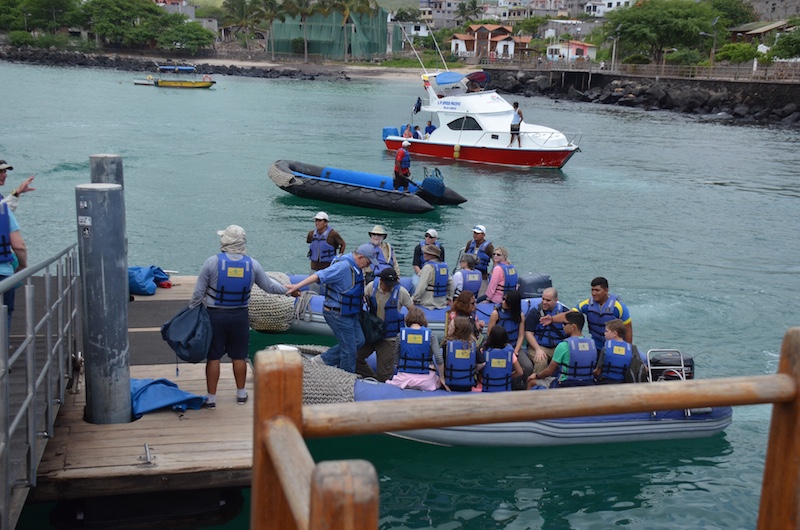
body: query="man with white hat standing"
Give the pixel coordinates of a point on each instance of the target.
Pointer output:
(324, 243)
(224, 285)
(402, 167)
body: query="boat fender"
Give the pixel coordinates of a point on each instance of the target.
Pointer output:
(149, 77)
(456, 151)
(206, 78)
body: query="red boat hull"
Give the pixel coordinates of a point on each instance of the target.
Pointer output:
(489, 155)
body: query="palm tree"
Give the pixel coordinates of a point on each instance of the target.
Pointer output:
(468, 11)
(348, 8)
(269, 11)
(303, 9)
(239, 14)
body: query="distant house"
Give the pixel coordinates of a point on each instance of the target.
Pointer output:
(571, 50)
(599, 8)
(491, 41)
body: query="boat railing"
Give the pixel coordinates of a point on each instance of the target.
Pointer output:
(290, 491)
(34, 378)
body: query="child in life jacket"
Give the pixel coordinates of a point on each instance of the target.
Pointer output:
(501, 365)
(462, 361)
(419, 357)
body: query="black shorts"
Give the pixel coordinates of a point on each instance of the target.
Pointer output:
(515, 127)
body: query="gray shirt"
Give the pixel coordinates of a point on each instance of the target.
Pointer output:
(208, 278)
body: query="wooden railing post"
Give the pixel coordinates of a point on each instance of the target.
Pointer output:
(278, 389)
(344, 496)
(780, 491)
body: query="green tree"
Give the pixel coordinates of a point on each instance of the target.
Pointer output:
(303, 9)
(532, 25)
(407, 14)
(468, 11)
(348, 8)
(734, 12)
(269, 11)
(653, 26)
(123, 22)
(189, 36)
(48, 15)
(209, 11)
(239, 13)
(788, 45)
(738, 52)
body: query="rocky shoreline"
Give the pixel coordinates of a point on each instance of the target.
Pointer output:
(738, 102)
(51, 57)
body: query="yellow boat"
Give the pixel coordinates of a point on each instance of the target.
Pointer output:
(205, 82)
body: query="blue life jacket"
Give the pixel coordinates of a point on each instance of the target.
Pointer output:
(617, 356)
(422, 260)
(415, 351)
(597, 316)
(440, 278)
(511, 327)
(510, 278)
(582, 361)
(392, 319)
(405, 163)
(350, 301)
(234, 280)
(460, 363)
(319, 249)
(382, 263)
(480, 252)
(472, 281)
(549, 336)
(497, 372)
(6, 253)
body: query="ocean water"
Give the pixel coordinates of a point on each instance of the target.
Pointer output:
(693, 222)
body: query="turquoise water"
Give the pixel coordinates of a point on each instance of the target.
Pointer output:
(693, 223)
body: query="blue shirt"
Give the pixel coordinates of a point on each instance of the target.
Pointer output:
(338, 277)
(6, 269)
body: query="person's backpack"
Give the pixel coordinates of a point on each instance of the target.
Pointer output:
(189, 333)
(637, 371)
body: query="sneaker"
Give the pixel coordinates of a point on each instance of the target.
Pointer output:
(209, 406)
(242, 400)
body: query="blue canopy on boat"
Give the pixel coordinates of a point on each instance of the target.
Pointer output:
(173, 68)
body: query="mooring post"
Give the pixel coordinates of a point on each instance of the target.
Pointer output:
(278, 392)
(106, 169)
(780, 490)
(345, 495)
(104, 280)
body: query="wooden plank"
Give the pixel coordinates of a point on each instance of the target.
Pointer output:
(345, 419)
(780, 492)
(294, 465)
(193, 450)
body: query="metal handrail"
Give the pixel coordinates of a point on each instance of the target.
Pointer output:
(56, 327)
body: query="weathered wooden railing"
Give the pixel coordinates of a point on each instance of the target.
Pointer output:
(289, 491)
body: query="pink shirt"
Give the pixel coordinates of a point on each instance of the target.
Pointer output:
(493, 291)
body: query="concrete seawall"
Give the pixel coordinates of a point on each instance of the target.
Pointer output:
(738, 101)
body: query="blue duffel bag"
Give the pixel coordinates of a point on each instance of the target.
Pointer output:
(189, 333)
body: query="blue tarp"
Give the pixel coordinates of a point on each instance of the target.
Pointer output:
(148, 395)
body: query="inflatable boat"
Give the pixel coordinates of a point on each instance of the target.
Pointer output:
(665, 365)
(307, 315)
(356, 188)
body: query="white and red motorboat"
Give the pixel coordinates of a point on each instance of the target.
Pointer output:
(475, 126)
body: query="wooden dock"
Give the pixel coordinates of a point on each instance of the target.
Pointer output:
(197, 449)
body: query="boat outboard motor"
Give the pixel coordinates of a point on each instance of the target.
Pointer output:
(665, 365)
(533, 284)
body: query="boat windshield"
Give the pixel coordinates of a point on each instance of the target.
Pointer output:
(467, 123)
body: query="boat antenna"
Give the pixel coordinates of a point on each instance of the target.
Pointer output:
(413, 49)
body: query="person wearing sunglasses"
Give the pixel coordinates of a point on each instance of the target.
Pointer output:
(503, 278)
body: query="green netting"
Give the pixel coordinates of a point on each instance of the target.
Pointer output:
(366, 35)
